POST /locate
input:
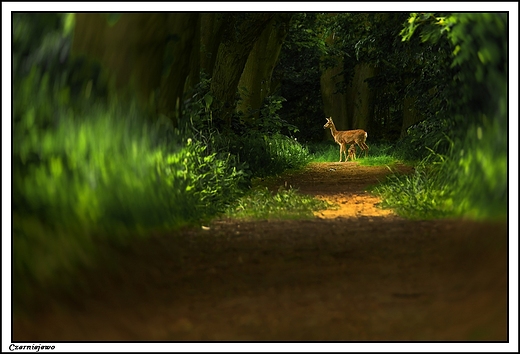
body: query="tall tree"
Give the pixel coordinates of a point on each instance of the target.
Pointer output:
(181, 60)
(331, 79)
(361, 97)
(211, 31)
(240, 35)
(255, 82)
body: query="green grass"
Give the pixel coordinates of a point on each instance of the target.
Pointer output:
(324, 152)
(470, 181)
(267, 155)
(260, 203)
(378, 155)
(416, 196)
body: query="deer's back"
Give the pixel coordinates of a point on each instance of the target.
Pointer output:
(350, 136)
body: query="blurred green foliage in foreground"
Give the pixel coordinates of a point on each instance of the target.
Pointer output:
(92, 168)
(468, 178)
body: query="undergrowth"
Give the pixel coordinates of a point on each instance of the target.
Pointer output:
(469, 181)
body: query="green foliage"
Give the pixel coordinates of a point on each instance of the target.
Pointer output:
(270, 121)
(258, 145)
(419, 71)
(39, 40)
(403, 70)
(470, 181)
(469, 177)
(477, 62)
(260, 203)
(90, 168)
(420, 195)
(424, 136)
(480, 162)
(105, 175)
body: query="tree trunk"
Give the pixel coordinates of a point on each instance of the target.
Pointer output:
(255, 83)
(182, 29)
(334, 102)
(360, 97)
(211, 31)
(241, 32)
(195, 57)
(144, 52)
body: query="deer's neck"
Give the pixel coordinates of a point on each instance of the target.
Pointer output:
(333, 131)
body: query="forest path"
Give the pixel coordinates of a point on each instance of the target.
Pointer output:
(355, 273)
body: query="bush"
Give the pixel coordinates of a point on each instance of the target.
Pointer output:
(469, 151)
(259, 147)
(425, 135)
(421, 195)
(268, 155)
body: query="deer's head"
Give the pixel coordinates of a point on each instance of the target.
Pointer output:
(329, 123)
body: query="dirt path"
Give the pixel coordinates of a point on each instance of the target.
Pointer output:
(356, 273)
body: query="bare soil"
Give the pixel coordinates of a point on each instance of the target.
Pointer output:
(355, 273)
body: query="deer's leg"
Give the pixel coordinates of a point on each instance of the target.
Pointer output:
(360, 144)
(363, 147)
(341, 147)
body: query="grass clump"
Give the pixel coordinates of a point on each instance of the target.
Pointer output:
(416, 196)
(260, 203)
(324, 152)
(469, 181)
(268, 154)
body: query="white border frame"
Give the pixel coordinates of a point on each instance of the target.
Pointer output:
(511, 7)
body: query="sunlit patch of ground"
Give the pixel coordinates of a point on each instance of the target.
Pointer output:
(343, 184)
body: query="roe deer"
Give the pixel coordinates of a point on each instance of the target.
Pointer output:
(352, 152)
(344, 137)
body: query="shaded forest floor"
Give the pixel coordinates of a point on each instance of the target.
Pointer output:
(353, 273)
